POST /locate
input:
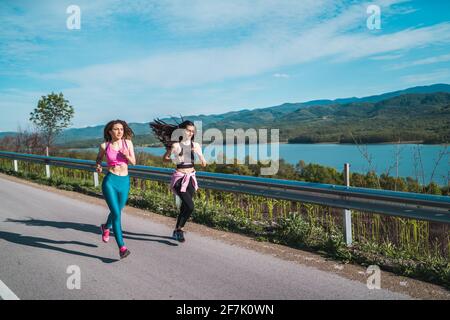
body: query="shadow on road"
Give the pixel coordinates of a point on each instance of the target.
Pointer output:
(45, 244)
(90, 228)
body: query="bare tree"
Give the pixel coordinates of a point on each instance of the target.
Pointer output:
(420, 174)
(443, 152)
(366, 155)
(23, 142)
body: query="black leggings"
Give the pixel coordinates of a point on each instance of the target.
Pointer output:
(187, 205)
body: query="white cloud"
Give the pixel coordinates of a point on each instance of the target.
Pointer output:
(200, 15)
(361, 45)
(29, 25)
(420, 62)
(281, 75)
(431, 77)
(201, 66)
(387, 57)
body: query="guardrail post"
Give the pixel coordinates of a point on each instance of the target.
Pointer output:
(16, 166)
(96, 179)
(47, 171)
(47, 167)
(347, 213)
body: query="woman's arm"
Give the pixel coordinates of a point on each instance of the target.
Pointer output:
(168, 153)
(130, 154)
(100, 155)
(198, 151)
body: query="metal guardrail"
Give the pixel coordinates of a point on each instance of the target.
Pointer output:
(401, 204)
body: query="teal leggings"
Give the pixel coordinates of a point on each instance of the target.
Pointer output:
(115, 190)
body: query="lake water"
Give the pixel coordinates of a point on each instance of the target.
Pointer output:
(413, 160)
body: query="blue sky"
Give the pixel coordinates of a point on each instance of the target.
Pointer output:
(137, 60)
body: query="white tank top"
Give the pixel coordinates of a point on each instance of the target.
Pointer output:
(185, 158)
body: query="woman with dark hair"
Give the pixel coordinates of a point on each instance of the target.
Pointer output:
(179, 141)
(119, 151)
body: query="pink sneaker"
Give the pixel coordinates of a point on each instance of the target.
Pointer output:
(105, 233)
(123, 252)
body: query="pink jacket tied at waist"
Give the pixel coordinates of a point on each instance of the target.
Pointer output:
(177, 175)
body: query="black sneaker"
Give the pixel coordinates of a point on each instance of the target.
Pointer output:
(181, 236)
(175, 235)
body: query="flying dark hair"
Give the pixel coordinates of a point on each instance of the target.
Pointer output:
(127, 132)
(163, 131)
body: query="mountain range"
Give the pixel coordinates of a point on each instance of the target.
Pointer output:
(413, 114)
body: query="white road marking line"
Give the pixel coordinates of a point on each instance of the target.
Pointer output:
(6, 293)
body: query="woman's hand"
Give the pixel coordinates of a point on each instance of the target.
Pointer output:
(126, 154)
(166, 156)
(198, 151)
(101, 154)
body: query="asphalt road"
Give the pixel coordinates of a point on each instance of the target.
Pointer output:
(47, 239)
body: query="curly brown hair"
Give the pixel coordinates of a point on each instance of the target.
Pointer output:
(127, 132)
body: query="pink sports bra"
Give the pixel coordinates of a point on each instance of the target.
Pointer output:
(114, 157)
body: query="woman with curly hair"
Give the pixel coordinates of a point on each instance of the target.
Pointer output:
(119, 152)
(179, 142)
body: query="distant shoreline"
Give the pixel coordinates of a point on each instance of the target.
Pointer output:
(336, 143)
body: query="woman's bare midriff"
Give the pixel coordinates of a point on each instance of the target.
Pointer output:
(121, 170)
(185, 170)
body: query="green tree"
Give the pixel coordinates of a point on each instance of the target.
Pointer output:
(433, 188)
(52, 114)
(316, 173)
